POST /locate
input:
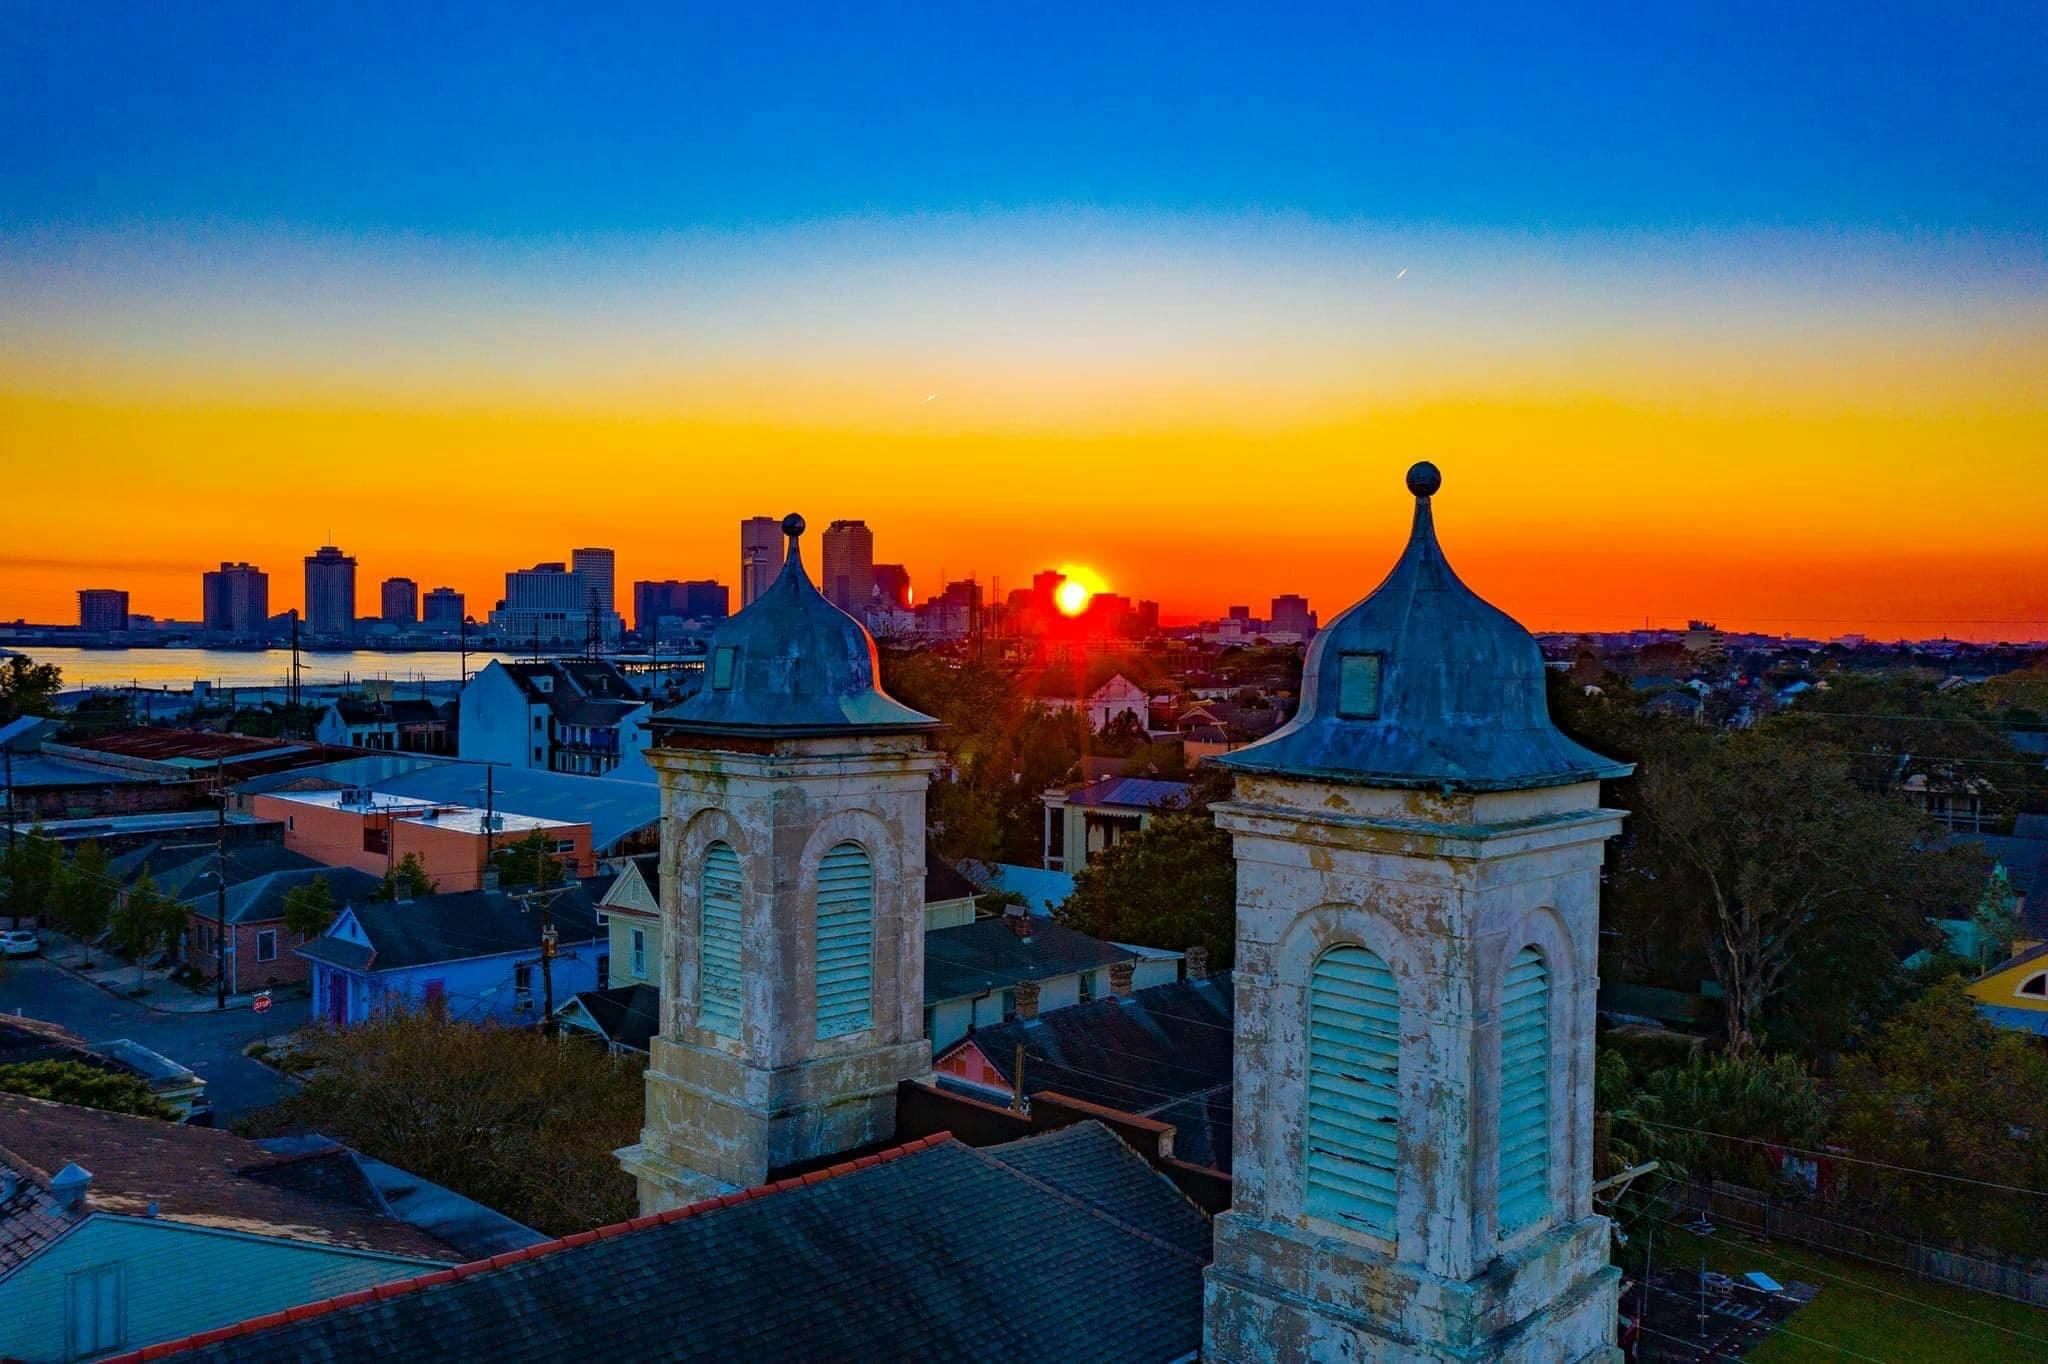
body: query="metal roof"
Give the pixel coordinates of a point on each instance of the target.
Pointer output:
(1448, 692)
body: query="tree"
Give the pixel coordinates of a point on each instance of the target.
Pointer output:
(520, 1123)
(1784, 869)
(1940, 1089)
(27, 687)
(309, 908)
(406, 881)
(145, 921)
(530, 861)
(32, 869)
(1173, 884)
(87, 1086)
(1997, 917)
(962, 823)
(85, 896)
(1124, 734)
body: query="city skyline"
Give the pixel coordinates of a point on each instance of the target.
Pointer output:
(1708, 315)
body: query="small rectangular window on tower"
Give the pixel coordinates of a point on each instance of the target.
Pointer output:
(721, 667)
(1358, 686)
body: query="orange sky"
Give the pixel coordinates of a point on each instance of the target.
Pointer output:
(1789, 433)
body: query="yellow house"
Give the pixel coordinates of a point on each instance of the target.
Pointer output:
(2014, 994)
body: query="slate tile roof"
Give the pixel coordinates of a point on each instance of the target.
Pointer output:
(971, 959)
(191, 1174)
(1064, 1250)
(1163, 1052)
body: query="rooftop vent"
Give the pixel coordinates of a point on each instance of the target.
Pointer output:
(70, 1186)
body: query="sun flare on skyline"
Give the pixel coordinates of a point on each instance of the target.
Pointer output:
(1072, 597)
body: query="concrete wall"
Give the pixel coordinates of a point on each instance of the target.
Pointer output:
(177, 1280)
(498, 724)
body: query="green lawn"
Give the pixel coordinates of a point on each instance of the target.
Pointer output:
(1856, 1313)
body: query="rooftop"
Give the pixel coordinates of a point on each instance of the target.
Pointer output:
(456, 926)
(465, 818)
(972, 959)
(1134, 793)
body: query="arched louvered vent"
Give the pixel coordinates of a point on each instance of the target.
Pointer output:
(718, 942)
(1525, 1092)
(1354, 1052)
(846, 940)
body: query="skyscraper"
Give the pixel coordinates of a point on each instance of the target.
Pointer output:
(102, 608)
(849, 565)
(760, 555)
(401, 601)
(330, 592)
(1291, 616)
(235, 600)
(443, 609)
(598, 568)
(698, 599)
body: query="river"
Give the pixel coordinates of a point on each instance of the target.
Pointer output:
(177, 669)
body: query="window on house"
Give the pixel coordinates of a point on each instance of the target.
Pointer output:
(1352, 1137)
(538, 721)
(290, 823)
(1524, 1182)
(1358, 686)
(1087, 985)
(639, 954)
(845, 941)
(2036, 985)
(97, 1313)
(522, 979)
(718, 942)
(266, 945)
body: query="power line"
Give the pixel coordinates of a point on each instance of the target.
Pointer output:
(1843, 1156)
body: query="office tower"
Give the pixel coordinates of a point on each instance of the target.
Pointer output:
(102, 608)
(401, 601)
(443, 609)
(330, 592)
(849, 564)
(1291, 616)
(235, 600)
(598, 570)
(698, 599)
(760, 555)
(892, 586)
(1243, 613)
(543, 602)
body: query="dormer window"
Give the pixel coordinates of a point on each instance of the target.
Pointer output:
(2036, 985)
(722, 660)
(1358, 686)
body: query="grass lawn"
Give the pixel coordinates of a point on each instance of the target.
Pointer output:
(1857, 1312)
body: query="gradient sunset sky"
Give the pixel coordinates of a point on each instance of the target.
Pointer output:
(1724, 310)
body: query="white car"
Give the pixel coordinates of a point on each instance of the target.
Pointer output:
(20, 942)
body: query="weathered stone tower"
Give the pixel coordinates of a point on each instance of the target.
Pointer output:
(792, 847)
(1418, 861)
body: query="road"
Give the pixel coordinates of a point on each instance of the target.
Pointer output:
(209, 1044)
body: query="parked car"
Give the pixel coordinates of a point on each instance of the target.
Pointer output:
(20, 942)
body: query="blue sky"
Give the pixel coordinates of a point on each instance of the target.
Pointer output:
(493, 122)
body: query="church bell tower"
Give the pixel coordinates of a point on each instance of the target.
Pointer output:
(1418, 857)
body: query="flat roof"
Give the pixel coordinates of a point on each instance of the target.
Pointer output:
(413, 810)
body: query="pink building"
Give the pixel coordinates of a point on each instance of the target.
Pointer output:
(373, 832)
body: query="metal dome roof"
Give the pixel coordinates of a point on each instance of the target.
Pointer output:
(791, 664)
(1424, 685)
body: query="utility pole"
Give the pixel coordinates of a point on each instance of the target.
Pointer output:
(543, 899)
(8, 754)
(462, 631)
(220, 892)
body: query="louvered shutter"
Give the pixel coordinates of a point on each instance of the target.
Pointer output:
(718, 942)
(846, 940)
(1525, 1092)
(1354, 1050)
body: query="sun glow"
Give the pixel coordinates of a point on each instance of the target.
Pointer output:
(1072, 597)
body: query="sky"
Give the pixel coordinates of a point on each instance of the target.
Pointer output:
(1733, 311)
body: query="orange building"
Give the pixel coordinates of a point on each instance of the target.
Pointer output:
(373, 832)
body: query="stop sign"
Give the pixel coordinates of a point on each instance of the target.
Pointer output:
(262, 1003)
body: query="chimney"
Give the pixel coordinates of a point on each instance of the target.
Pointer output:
(1120, 973)
(1198, 963)
(70, 1186)
(1019, 921)
(1025, 994)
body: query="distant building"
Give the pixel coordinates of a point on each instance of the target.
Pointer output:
(330, 592)
(443, 609)
(401, 601)
(235, 599)
(1096, 817)
(892, 585)
(388, 725)
(374, 831)
(560, 715)
(598, 568)
(693, 600)
(1118, 696)
(849, 579)
(1291, 616)
(954, 613)
(102, 608)
(760, 555)
(557, 602)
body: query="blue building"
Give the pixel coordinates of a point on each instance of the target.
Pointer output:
(476, 953)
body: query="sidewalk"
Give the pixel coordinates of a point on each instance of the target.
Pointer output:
(119, 978)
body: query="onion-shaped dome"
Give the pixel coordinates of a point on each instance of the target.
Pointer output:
(791, 664)
(1424, 685)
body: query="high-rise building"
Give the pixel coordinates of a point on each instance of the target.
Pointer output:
(598, 568)
(954, 613)
(443, 609)
(694, 600)
(545, 602)
(892, 586)
(849, 564)
(102, 608)
(760, 555)
(330, 592)
(401, 601)
(235, 600)
(1291, 616)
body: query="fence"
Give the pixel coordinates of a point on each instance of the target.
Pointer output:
(1746, 1209)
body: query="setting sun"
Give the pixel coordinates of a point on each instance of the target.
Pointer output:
(1072, 597)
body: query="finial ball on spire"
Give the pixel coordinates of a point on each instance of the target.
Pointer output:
(792, 525)
(1424, 478)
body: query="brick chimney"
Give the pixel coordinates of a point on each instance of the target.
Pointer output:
(1025, 994)
(1198, 963)
(1019, 920)
(1120, 973)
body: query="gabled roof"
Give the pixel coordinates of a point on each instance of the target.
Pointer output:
(1065, 1247)
(456, 927)
(972, 959)
(1136, 793)
(195, 1175)
(1163, 1052)
(628, 1015)
(943, 881)
(261, 901)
